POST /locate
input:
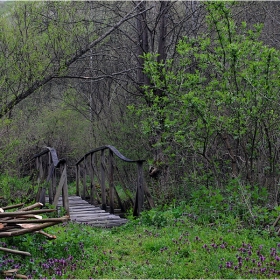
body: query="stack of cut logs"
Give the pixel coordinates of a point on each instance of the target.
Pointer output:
(22, 221)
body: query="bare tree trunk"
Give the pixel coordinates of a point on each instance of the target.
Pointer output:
(143, 41)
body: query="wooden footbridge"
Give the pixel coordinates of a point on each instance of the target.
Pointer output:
(81, 211)
(96, 198)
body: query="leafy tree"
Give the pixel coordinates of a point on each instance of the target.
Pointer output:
(40, 41)
(219, 101)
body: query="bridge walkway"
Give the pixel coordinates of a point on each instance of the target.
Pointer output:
(84, 213)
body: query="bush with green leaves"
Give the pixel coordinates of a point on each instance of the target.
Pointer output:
(216, 104)
(16, 190)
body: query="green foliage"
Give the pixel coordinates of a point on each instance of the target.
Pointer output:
(161, 216)
(172, 246)
(37, 39)
(217, 101)
(16, 190)
(236, 204)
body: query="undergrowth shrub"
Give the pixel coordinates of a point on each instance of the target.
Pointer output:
(16, 190)
(246, 204)
(162, 216)
(235, 205)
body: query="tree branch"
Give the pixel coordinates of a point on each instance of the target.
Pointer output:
(38, 84)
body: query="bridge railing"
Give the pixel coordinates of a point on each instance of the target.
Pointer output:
(87, 167)
(49, 168)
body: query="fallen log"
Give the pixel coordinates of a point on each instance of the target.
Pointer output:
(37, 204)
(23, 217)
(15, 251)
(20, 213)
(28, 230)
(13, 206)
(21, 221)
(13, 273)
(25, 221)
(50, 236)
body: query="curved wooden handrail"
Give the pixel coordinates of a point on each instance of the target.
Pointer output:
(82, 164)
(51, 165)
(52, 151)
(114, 150)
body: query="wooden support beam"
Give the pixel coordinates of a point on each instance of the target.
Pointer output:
(59, 189)
(21, 213)
(78, 180)
(84, 179)
(140, 186)
(28, 230)
(37, 204)
(36, 221)
(111, 181)
(65, 198)
(103, 186)
(13, 206)
(17, 252)
(92, 183)
(50, 176)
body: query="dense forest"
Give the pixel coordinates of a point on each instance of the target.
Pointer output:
(190, 86)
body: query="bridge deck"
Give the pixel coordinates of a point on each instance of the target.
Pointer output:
(83, 212)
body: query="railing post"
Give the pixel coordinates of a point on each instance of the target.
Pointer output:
(140, 187)
(65, 199)
(111, 181)
(50, 167)
(103, 187)
(40, 169)
(92, 184)
(53, 182)
(77, 179)
(84, 179)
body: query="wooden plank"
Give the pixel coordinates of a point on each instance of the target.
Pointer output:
(97, 219)
(53, 182)
(74, 207)
(42, 198)
(92, 184)
(103, 186)
(84, 206)
(84, 179)
(92, 217)
(95, 170)
(49, 178)
(21, 213)
(111, 181)
(75, 199)
(102, 223)
(59, 189)
(41, 171)
(77, 179)
(65, 201)
(140, 187)
(86, 212)
(83, 212)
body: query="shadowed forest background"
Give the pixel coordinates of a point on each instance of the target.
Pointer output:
(192, 87)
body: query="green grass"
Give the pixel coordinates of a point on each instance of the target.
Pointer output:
(213, 235)
(161, 244)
